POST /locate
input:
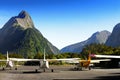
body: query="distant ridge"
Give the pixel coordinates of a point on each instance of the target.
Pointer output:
(98, 38)
(19, 35)
(114, 39)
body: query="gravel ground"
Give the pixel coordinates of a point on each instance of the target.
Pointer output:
(59, 73)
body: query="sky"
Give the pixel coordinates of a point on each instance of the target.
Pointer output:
(65, 22)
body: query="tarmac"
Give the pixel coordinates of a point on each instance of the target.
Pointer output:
(59, 73)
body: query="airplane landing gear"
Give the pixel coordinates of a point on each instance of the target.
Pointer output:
(81, 68)
(52, 70)
(78, 68)
(36, 70)
(43, 70)
(89, 68)
(3, 68)
(15, 68)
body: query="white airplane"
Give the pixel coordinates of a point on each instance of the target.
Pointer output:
(44, 63)
(10, 64)
(106, 56)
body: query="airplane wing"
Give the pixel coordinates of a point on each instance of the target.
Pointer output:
(91, 61)
(99, 60)
(66, 59)
(20, 59)
(2, 60)
(107, 56)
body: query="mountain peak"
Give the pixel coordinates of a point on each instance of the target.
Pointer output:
(23, 14)
(117, 27)
(97, 37)
(22, 21)
(114, 39)
(19, 35)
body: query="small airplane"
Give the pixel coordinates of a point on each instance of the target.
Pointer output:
(88, 63)
(44, 63)
(113, 58)
(10, 64)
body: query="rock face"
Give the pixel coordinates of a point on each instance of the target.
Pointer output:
(19, 35)
(98, 37)
(114, 39)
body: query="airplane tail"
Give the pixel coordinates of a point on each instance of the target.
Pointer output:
(44, 63)
(7, 57)
(44, 55)
(89, 57)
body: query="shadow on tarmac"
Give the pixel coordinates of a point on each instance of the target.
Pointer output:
(115, 73)
(116, 77)
(31, 72)
(97, 78)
